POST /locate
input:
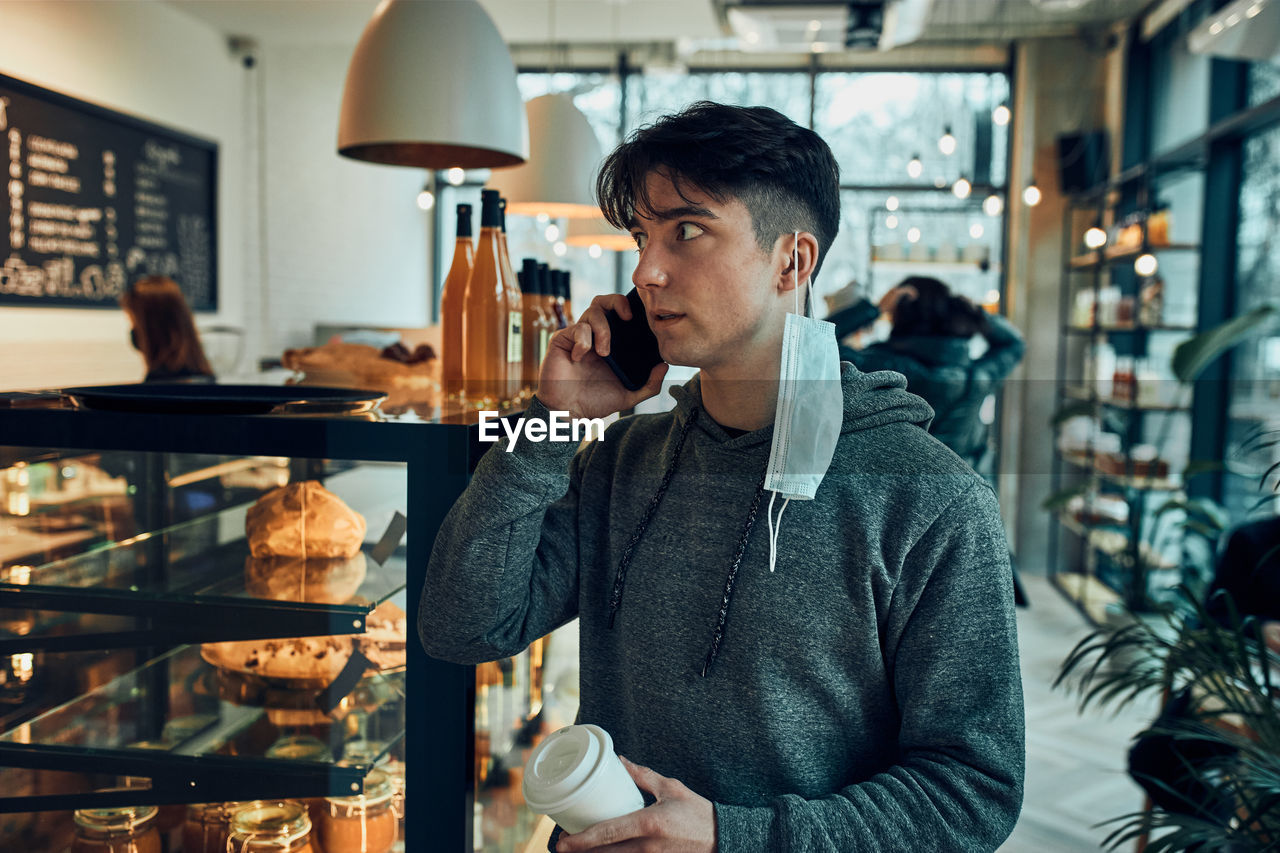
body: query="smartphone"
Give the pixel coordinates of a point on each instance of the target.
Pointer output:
(633, 348)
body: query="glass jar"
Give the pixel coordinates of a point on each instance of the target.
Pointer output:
(207, 827)
(125, 829)
(303, 748)
(364, 823)
(261, 826)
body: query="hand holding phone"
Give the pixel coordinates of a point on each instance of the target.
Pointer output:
(633, 348)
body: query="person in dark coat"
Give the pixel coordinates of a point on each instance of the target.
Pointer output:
(929, 345)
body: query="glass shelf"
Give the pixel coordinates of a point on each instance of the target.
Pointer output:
(1085, 462)
(1119, 254)
(194, 581)
(1112, 542)
(1126, 329)
(204, 734)
(1080, 392)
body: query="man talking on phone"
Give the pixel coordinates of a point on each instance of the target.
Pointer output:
(795, 606)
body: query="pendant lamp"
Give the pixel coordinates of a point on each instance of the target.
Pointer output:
(598, 232)
(564, 155)
(431, 84)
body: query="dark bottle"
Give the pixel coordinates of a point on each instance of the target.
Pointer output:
(549, 289)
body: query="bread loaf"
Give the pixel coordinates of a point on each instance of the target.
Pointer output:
(303, 520)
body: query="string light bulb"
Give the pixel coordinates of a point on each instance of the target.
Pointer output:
(915, 166)
(913, 235)
(426, 200)
(1032, 195)
(891, 203)
(947, 143)
(1146, 265)
(1095, 237)
(1001, 115)
(961, 188)
(456, 176)
(993, 205)
(891, 221)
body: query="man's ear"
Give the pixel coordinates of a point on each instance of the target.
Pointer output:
(806, 251)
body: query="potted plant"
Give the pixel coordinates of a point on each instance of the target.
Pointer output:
(1226, 666)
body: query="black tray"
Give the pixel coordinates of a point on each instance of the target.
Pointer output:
(191, 398)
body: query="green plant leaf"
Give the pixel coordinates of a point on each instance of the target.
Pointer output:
(1074, 409)
(1263, 435)
(1196, 353)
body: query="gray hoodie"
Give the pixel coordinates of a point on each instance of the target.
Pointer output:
(865, 696)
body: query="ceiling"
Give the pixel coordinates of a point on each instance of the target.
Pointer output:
(638, 21)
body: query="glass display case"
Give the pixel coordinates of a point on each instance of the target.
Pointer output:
(154, 654)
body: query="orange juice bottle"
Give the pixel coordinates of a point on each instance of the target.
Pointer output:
(452, 305)
(485, 319)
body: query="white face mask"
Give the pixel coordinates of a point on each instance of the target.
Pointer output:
(806, 424)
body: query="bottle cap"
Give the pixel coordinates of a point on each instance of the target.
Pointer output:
(464, 220)
(490, 209)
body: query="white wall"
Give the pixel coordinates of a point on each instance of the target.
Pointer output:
(346, 242)
(149, 60)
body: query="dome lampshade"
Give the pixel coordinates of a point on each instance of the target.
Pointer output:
(431, 84)
(564, 155)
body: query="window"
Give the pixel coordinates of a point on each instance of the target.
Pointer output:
(1255, 386)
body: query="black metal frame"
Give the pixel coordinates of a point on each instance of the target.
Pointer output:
(440, 697)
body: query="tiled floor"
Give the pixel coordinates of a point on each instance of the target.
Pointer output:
(1075, 763)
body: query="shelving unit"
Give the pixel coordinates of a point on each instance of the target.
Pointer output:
(1101, 566)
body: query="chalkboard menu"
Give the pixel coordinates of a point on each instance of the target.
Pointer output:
(96, 199)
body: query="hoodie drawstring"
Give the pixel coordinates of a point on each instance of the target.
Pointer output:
(619, 579)
(718, 634)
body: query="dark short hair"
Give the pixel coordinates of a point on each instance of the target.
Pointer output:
(935, 310)
(783, 173)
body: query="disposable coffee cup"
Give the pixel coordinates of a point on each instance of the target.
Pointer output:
(575, 778)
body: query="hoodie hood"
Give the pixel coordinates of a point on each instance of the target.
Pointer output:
(870, 400)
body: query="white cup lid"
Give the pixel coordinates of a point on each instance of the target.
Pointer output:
(562, 763)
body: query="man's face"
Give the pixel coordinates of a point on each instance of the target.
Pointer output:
(708, 288)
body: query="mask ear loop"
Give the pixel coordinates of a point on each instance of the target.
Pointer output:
(775, 527)
(795, 268)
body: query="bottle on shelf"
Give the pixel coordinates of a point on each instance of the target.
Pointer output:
(533, 337)
(565, 296)
(452, 305)
(553, 302)
(546, 316)
(486, 316)
(515, 312)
